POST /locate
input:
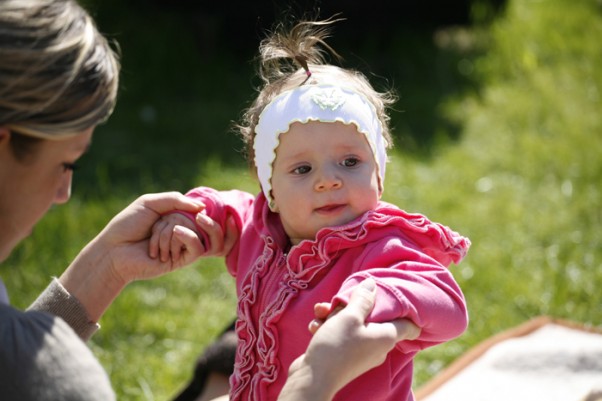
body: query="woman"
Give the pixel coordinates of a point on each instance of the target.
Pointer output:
(58, 81)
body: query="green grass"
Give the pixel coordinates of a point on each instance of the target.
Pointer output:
(515, 165)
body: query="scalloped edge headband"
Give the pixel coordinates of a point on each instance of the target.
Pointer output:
(323, 103)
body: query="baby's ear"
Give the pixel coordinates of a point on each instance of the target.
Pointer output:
(273, 206)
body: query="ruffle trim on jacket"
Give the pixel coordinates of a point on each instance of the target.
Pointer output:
(257, 365)
(434, 239)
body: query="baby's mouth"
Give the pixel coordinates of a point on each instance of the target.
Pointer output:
(330, 208)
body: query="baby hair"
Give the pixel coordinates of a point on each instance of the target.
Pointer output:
(295, 57)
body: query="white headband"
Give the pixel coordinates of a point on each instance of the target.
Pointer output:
(324, 103)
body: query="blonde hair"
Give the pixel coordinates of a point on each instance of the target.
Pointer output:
(58, 74)
(288, 59)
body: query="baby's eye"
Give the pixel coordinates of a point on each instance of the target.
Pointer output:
(350, 161)
(302, 170)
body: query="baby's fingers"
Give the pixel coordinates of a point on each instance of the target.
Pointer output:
(154, 241)
(176, 245)
(214, 233)
(188, 244)
(165, 243)
(322, 312)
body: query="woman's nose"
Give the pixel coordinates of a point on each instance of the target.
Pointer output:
(63, 192)
(328, 179)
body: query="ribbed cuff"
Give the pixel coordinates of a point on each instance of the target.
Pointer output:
(57, 301)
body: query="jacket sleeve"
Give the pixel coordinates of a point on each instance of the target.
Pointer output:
(219, 206)
(414, 286)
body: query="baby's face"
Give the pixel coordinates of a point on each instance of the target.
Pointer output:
(324, 175)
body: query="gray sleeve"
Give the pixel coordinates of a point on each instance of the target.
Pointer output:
(42, 359)
(57, 301)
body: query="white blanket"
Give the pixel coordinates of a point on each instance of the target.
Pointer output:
(545, 361)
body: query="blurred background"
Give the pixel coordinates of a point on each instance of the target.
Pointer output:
(188, 72)
(498, 134)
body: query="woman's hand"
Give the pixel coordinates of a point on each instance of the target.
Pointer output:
(344, 347)
(120, 253)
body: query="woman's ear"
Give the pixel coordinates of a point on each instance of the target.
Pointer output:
(4, 136)
(6, 151)
(4, 133)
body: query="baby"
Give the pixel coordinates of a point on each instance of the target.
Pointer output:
(318, 137)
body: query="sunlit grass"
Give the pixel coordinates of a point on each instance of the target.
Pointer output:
(526, 177)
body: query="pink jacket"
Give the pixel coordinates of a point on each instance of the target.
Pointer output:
(405, 253)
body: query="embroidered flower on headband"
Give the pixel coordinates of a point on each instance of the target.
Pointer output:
(323, 103)
(331, 98)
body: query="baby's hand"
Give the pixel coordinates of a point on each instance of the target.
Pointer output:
(404, 328)
(322, 312)
(174, 236)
